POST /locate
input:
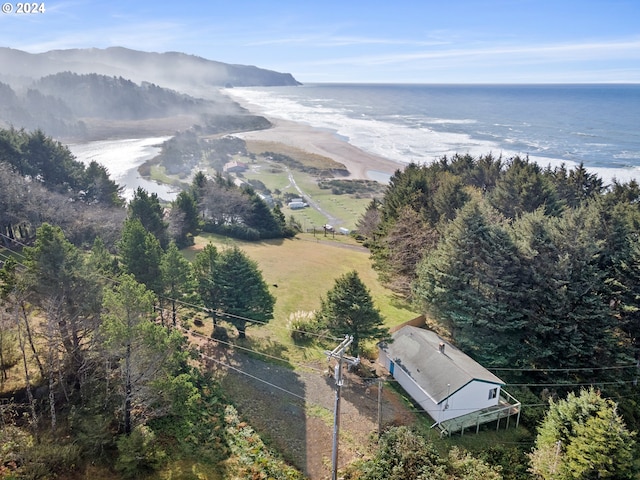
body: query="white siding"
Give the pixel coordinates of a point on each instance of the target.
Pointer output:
(472, 397)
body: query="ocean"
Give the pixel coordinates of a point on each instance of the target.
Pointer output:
(597, 125)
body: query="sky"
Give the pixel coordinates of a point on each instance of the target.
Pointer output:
(390, 41)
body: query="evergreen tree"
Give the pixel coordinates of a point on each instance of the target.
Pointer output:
(147, 209)
(204, 272)
(140, 254)
(260, 216)
(185, 209)
(470, 284)
(575, 186)
(369, 222)
(449, 197)
(100, 188)
(542, 284)
(583, 437)
(406, 242)
(67, 291)
(102, 260)
(523, 188)
(586, 332)
(348, 309)
(175, 270)
(145, 352)
(52, 163)
(413, 187)
(242, 294)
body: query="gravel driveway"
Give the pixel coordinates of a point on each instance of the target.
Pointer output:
(293, 409)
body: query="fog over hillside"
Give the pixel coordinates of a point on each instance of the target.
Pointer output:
(102, 93)
(178, 71)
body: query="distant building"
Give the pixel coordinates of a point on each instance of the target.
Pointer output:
(454, 389)
(234, 167)
(297, 205)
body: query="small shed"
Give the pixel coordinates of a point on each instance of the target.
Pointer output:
(455, 390)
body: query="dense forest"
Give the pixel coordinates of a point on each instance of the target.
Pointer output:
(89, 287)
(531, 271)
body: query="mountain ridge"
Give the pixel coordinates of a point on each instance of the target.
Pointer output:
(180, 71)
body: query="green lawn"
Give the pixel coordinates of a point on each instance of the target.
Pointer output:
(346, 208)
(304, 269)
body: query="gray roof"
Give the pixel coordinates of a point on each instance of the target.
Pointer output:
(417, 352)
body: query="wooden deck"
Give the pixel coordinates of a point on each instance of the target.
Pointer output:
(506, 408)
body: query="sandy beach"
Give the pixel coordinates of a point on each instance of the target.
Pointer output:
(361, 164)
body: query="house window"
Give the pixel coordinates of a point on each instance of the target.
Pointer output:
(493, 393)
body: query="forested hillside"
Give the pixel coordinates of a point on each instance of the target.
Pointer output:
(96, 371)
(67, 104)
(171, 69)
(533, 272)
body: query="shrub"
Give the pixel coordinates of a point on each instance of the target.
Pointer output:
(139, 453)
(304, 327)
(250, 456)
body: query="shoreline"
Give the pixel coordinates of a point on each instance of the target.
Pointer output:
(360, 164)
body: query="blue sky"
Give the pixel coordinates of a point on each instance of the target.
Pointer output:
(421, 41)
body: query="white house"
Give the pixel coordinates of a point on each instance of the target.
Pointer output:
(234, 167)
(444, 381)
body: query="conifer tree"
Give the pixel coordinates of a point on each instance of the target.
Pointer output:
(204, 271)
(523, 188)
(147, 209)
(144, 351)
(583, 437)
(140, 254)
(470, 284)
(175, 270)
(184, 223)
(240, 291)
(348, 309)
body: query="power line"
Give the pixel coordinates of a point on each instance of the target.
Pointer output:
(328, 337)
(273, 357)
(226, 365)
(574, 369)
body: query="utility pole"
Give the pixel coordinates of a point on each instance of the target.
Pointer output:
(379, 407)
(338, 353)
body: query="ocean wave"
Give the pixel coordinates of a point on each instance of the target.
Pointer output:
(424, 132)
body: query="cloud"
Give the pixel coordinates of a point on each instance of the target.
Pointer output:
(322, 41)
(591, 51)
(142, 36)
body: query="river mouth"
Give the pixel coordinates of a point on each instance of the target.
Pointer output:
(122, 158)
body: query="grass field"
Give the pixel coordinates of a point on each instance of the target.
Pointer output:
(341, 210)
(304, 269)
